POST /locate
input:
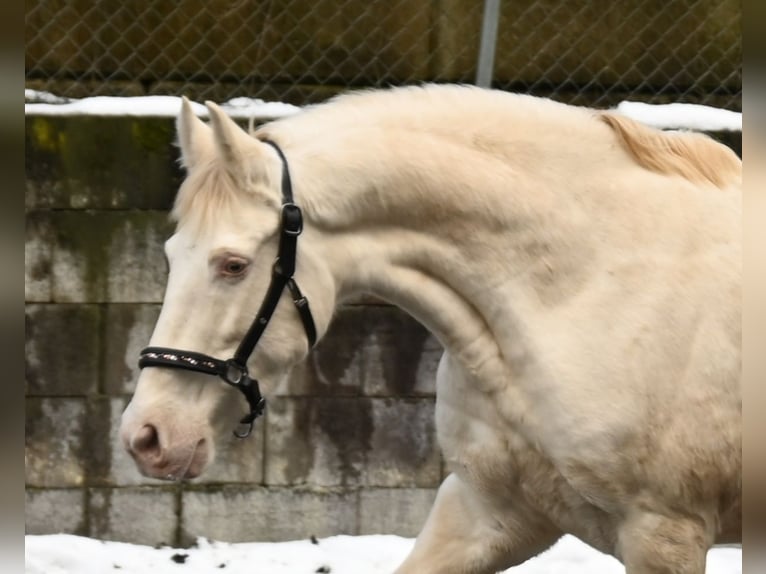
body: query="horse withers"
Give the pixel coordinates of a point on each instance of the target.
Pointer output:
(581, 270)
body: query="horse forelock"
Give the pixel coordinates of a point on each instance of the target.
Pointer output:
(208, 194)
(212, 193)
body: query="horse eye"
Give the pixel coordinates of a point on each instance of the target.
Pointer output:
(234, 267)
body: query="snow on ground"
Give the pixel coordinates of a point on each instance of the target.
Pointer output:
(379, 554)
(665, 116)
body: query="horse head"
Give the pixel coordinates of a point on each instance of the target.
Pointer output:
(226, 262)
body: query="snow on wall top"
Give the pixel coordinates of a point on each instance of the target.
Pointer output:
(664, 116)
(45, 104)
(683, 116)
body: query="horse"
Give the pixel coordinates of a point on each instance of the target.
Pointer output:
(582, 272)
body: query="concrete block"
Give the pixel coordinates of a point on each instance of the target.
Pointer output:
(128, 328)
(139, 515)
(403, 447)
(243, 514)
(55, 511)
(376, 350)
(92, 162)
(62, 349)
(96, 443)
(109, 256)
(337, 365)
(400, 511)
(317, 441)
(54, 442)
(37, 258)
(237, 460)
(345, 441)
(401, 356)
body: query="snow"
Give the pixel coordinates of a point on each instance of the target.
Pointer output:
(682, 116)
(374, 554)
(665, 116)
(45, 104)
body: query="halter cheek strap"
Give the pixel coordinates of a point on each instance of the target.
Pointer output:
(233, 371)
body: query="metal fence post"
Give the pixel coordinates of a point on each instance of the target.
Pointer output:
(487, 44)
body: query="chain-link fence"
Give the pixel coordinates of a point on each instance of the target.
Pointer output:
(594, 52)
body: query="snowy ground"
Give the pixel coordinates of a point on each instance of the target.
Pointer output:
(62, 553)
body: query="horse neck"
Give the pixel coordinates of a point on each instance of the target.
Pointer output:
(432, 226)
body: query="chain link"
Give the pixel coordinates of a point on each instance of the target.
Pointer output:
(592, 52)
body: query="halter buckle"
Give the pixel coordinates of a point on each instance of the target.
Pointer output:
(292, 219)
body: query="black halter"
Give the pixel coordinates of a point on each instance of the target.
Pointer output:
(234, 371)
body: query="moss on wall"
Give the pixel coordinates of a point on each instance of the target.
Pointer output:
(82, 162)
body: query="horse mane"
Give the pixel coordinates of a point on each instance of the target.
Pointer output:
(693, 156)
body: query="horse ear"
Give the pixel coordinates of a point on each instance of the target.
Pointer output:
(194, 136)
(235, 146)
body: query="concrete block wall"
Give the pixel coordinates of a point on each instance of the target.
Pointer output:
(347, 444)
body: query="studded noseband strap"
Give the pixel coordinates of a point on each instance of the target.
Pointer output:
(234, 371)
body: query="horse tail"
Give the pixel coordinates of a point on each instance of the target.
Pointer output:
(693, 156)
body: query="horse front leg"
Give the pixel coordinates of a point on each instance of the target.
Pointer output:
(467, 534)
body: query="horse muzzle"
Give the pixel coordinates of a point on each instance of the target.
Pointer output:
(158, 457)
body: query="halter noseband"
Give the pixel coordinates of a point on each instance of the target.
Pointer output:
(234, 371)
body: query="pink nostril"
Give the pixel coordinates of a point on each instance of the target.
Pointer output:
(146, 442)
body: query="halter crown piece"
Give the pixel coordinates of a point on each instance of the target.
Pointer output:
(233, 371)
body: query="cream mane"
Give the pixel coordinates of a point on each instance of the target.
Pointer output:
(693, 156)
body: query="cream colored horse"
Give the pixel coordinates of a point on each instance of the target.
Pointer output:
(582, 272)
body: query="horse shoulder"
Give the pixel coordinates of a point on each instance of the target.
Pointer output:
(504, 465)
